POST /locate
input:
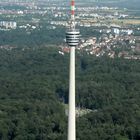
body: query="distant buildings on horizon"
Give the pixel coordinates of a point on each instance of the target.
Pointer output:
(8, 24)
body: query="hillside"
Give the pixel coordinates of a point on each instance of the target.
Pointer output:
(34, 86)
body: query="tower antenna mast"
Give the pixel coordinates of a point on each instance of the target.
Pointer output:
(72, 39)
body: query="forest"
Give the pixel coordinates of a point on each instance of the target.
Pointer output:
(38, 37)
(41, 37)
(34, 89)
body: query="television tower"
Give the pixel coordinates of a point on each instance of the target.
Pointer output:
(72, 39)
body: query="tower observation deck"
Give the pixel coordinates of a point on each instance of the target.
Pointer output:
(72, 34)
(72, 37)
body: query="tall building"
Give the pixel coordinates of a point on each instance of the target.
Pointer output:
(72, 39)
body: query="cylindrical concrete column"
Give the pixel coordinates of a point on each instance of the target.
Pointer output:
(71, 117)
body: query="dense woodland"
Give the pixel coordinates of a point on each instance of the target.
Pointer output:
(37, 37)
(40, 36)
(34, 88)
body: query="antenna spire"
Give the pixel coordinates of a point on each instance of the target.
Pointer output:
(73, 10)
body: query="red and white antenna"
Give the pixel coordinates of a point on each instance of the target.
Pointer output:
(72, 20)
(72, 10)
